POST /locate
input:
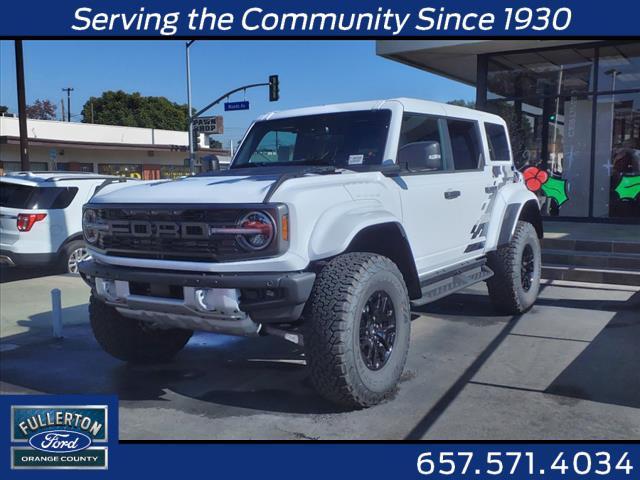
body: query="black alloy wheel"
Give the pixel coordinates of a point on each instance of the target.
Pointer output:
(377, 330)
(527, 268)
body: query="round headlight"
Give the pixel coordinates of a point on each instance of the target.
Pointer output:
(89, 218)
(260, 230)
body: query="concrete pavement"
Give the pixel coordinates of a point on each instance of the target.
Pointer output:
(568, 369)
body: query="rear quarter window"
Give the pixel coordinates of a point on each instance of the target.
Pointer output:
(31, 198)
(498, 144)
(465, 144)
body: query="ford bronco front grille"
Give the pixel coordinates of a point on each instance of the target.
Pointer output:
(190, 233)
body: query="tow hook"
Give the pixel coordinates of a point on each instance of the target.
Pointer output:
(288, 336)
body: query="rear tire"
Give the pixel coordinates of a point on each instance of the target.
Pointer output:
(514, 287)
(357, 329)
(133, 340)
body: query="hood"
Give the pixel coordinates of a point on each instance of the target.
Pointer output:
(205, 189)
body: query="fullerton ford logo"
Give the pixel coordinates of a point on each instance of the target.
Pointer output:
(60, 441)
(59, 436)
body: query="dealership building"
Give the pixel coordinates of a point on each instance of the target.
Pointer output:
(145, 153)
(572, 107)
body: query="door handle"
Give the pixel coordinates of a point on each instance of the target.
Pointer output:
(451, 194)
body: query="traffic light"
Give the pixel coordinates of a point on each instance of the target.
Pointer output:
(552, 117)
(274, 88)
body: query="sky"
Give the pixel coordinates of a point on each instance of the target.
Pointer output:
(311, 73)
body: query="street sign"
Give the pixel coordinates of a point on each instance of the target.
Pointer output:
(208, 125)
(231, 106)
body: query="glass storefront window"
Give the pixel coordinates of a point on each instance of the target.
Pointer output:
(121, 169)
(174, 171)
(617, 156)
(619, 67)
(586, 138)
(541, 73)
(15, 166)
(556, 137)
(569, 152)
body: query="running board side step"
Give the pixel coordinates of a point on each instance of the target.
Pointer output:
(446, 283)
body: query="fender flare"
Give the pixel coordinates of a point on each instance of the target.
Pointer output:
(337, 227)
(511, 203)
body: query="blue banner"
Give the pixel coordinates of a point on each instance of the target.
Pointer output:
(315, 18)
(25, 417)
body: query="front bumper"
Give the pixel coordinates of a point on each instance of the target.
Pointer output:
(263, 297)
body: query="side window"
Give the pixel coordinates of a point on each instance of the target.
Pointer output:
(498, 144)
(64, 197)
(275, 146)
(465, 144)
(420, 147)
(31, 198)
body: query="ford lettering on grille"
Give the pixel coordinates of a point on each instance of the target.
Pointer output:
(146, 229)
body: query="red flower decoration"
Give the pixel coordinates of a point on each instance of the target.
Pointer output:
(534, 178)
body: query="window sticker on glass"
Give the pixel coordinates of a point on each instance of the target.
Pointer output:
(356, 159)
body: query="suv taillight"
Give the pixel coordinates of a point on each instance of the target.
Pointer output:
(26, 220)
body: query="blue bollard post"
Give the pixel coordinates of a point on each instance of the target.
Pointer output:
(56, 312)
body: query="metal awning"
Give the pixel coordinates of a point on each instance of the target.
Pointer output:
(456, 59)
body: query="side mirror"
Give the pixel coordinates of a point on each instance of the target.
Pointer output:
(421, 156)
(390, 169)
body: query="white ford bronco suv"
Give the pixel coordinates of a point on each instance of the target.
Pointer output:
(330, 224)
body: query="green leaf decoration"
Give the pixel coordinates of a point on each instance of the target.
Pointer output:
(628, 187)
(556, 188)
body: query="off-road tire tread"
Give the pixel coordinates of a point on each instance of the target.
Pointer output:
(503, 262)
(128, 339)
(327, 340)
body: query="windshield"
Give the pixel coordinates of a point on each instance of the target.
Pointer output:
(342, 140)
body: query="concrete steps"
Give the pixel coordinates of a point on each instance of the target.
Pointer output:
(595, 261)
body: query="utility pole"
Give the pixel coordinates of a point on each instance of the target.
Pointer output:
(192, 154)
(62, 110)
(68, 90)
(22, 109)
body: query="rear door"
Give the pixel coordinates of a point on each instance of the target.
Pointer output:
(470, 197)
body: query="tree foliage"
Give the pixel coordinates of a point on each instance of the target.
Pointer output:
(135, 110)
(41, 110)
(462, 103)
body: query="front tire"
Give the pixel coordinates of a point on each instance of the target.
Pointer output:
(514, 287)
(133, 340)
(357, 329)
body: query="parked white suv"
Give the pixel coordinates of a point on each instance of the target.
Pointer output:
(329, 225)
(41, 217)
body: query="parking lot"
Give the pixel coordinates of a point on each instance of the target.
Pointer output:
(568, 369)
